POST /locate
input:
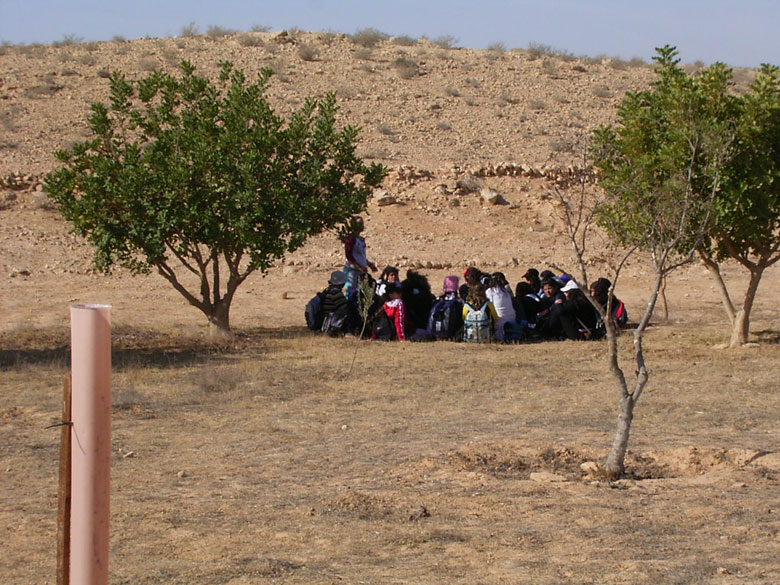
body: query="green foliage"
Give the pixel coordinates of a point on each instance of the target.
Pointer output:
(182, 169)
(747, 209)
(662, 163)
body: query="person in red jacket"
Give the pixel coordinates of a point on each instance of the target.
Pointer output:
(392, 320)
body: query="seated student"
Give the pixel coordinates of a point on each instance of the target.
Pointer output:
(334, 304)
(391, 322)
(599, 290)
(445, 320)
(418, 300)
(498, 294)
(531, 276)
(578, 319)
(526, 303)
(479, 316)
(389, 275)
(471, 276)
(552, 296)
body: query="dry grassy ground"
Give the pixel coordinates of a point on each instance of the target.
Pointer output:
(263, 461)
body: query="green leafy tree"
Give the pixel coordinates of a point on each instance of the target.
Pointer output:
(204, 183)
(746, 225)
(660, 167)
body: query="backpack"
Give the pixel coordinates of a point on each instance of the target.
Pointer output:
(383, 327)
(476, 325)
(620, 313)
(514, 331)
(313, 313)
(446, 319)
(333, 323)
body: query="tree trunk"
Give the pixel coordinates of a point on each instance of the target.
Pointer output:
(219, 319)
(714, 270)
(615, 464)
(740, 331)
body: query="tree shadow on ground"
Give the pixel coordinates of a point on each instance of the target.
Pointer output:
(767, 336)
(133, 347)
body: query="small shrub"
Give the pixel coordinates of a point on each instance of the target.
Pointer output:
(346, 92)
(118, 39)
(537, 50)
(549, 67)
(602, 91)
(328, 37)
(88, 60)
(406, 68)
(250, 40)
(386, 130)
(369, 37)
(618, 64)
(451, 92)
(260, 28)
(307, 52)
(562, 99)
(367, 67)
(443, 126)
(445, 42)
(104, 73)
(68, 41)
(404, 41)
(216, 32)
(537, 105)
(91, 46)
(469, 184)
(470, 101)
(68, 73)
(470, 81)
(147, 64)
(561, 145)
(364, 54)
(637, 62)
(189, 30)
(498, 47)
(508, 98)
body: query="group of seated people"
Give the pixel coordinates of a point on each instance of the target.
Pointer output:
(484, 308)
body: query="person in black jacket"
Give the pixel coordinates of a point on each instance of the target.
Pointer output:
(576, 318)
(334, 304)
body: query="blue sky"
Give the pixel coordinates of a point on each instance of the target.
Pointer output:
(744, 33)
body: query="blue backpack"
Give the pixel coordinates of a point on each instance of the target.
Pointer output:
(446, 319)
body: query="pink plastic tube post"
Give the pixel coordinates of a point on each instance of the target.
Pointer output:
(91, 440)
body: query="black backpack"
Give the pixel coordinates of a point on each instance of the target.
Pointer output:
(446, 319)
(383, 327)
(313, 312)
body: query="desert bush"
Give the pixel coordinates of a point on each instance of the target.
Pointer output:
(68, 41)
(91, 46)
(68, 72)
(189, 30)
(618, 64)
(328, 37)
(470, 81)
(537, 105)
(262, 28)
(385, 129)
(367, 67)
(404, 41)
(42, 91)
(561, 145)
(118, 39)
(406, 68)
(346, 92)
(445, 42)
(250, 40)
(216, 32)
(104, 73)
(147, 64)
(549, 67)
(443, 126)
(307, 52)
(637, 62)
(87, 60)
(508, 98)
(363, 54)
(498, 47)
(368, 37)
(451, 92)
(602, 91)
(561, 99)
(469, 101)
(469, 184)
(537, 50)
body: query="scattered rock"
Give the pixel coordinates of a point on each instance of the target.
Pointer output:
(383, 198)
(181, 474)
(590, 468)
(490, 196)
(418, 513)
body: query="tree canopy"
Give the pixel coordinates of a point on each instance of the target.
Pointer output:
(183, 170)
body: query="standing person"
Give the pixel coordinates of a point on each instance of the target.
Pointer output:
(356, 262)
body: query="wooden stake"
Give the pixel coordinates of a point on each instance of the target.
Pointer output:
(63, 516)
